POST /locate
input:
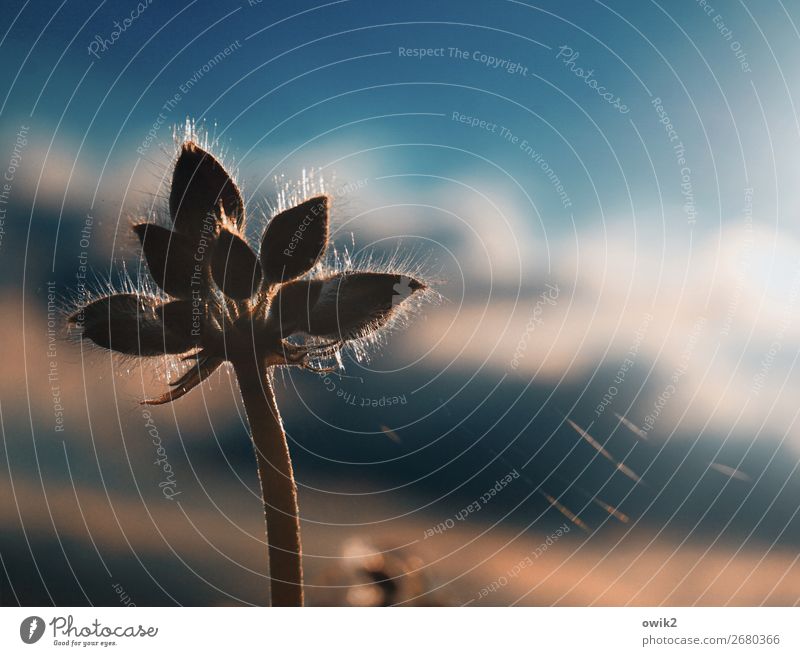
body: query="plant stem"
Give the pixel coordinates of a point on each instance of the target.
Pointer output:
(278, 487)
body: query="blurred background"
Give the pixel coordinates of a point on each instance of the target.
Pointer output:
(601, 411)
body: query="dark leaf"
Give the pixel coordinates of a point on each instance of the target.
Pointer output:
(344, 306)
(234, 266)
(175, 262)
(135, 325)
(291, 307)
(295, 240)
(199, 184)
(182, 318)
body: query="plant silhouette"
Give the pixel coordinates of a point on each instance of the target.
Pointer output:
(223, 303)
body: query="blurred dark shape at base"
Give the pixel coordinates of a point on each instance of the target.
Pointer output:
(371, 575)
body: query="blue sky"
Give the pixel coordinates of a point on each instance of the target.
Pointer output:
(636, 162)
(641, 155)
(306, 75)
(609, 143)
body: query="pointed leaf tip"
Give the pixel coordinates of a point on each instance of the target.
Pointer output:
(295, 240)
(199, 184)
(344, 306)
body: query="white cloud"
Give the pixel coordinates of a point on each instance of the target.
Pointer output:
(723, 312)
